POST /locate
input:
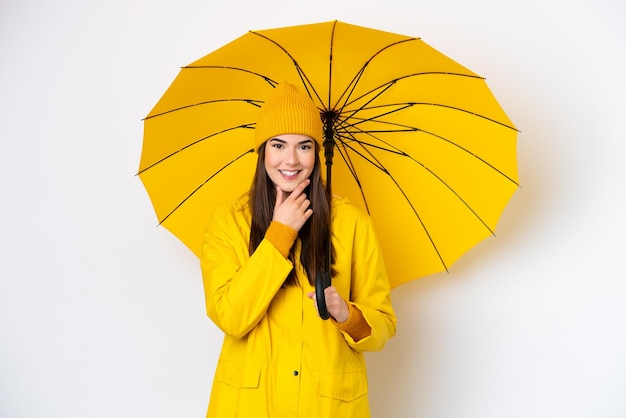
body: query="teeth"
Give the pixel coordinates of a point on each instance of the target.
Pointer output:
(289, 173)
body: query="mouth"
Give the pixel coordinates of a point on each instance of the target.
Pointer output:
(289, 173)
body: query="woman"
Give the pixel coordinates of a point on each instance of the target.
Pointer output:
(259, 260)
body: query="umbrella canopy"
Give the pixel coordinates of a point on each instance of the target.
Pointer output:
(419, 141)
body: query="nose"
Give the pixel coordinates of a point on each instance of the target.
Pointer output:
(292, 156)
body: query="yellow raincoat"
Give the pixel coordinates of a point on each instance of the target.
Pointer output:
(278, 358)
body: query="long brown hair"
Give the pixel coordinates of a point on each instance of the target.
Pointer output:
(314, 235)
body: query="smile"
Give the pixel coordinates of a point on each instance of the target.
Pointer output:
(288, 173)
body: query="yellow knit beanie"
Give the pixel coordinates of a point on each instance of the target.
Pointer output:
(288, 111)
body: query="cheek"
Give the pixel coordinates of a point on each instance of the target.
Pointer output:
(268, 160)
(308, 161)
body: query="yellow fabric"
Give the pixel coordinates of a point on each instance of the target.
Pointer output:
(282, 236)
(288, 111)
(272, 331)
(356, 326)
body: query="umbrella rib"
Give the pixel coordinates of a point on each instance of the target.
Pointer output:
(407, 128)
(482, 160)
(203, 183)
(395, 150)
(244, 126)
(374, 162)
(357, 77)
(305, 81)
(407, 105)
(303, 77)
(348, 161)
(271, 82)
(385, 86)
(253, 102)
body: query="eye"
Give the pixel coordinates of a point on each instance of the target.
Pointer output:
(305, 147)
(276, 145)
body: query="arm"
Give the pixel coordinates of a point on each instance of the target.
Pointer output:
(346, 316)
(239, 288)
(367, 321)
(370, 290)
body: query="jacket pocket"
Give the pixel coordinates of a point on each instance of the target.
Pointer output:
(239, 374)
(344, 386)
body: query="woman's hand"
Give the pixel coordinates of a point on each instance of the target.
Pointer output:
(336, 305)
(293, 210)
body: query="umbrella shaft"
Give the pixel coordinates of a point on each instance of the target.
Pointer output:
(329, 146)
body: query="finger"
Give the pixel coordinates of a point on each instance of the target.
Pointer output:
(298, 199)
(299, 189)
(332, 297)
(336, 305)
(303, 203)
(314, 299)
(329, 295)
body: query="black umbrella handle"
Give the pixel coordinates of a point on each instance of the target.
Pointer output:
(322, 281)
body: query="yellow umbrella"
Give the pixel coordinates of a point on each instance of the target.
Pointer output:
(419, 141)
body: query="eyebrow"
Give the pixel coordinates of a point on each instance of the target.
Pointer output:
(282, 141)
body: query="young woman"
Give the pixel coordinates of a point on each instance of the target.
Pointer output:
(259, 260)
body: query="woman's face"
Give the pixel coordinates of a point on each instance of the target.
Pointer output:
(289, 160)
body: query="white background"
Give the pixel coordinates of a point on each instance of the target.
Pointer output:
(102, 312)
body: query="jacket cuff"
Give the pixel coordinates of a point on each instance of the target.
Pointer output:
(355, 326)
(281, 236)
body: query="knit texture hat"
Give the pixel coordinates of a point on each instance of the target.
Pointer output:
(288, 111)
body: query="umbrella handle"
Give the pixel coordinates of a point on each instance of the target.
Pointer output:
(322, 281)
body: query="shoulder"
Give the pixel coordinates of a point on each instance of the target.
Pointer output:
(345, 212)
(239, 205)
(342, 205)
(237, 211)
